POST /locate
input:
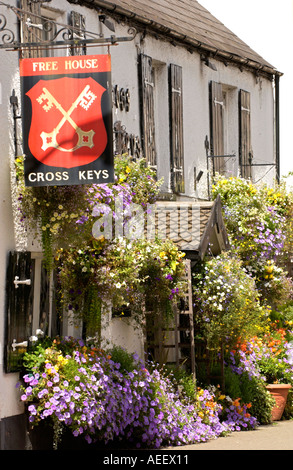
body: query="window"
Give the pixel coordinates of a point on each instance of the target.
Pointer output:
(223, 128)
(157, 102)
(38, 25)
(30, 305)
(176, 128)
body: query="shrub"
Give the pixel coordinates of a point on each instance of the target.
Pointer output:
(227, 302)
(251, 390)
(259, 224)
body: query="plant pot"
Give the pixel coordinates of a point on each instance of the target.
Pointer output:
(280, 393)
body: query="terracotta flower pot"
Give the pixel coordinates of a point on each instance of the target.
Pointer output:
(280, 393)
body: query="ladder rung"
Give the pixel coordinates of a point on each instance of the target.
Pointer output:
(180, 345)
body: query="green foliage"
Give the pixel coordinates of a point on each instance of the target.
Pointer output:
(259, 223)
(275, 369)
(288, 412)
(251, 390)
(35, 357)
(140, 177)
(227, 302)
(184, 381)
(123, 357)
(124, 273)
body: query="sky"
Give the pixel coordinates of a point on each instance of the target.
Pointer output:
(267, 27)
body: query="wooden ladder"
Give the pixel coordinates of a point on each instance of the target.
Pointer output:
(177, 339)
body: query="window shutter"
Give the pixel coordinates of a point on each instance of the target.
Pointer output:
(44, 320)
(217, 125)
(19, 308)
(78, 22)
(176, 128)
(245, 153)
(31, 34)
(146, 75)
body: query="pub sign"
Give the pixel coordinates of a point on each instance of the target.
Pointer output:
(67, 120)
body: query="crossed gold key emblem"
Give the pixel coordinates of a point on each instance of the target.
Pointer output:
(85, 139)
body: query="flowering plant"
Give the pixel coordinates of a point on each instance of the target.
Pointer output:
(258, 219)
(86, 390)
(127, 273)
(63, 216)
(235, 412)
(99, 269)
(269, 358)
(227, 302)
(254, 216)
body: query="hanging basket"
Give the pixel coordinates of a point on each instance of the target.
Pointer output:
(280, 393)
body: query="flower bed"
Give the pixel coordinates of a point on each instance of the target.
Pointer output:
(244, 298)
(227, 302)
(86, 390)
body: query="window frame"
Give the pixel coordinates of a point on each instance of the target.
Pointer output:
(25, 316)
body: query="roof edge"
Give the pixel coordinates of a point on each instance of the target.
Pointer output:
(190, 43)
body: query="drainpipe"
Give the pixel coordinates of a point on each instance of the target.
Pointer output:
(277, 125)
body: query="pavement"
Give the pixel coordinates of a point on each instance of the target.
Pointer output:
(275, 436)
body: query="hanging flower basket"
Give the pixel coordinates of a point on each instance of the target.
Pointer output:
(280, 393)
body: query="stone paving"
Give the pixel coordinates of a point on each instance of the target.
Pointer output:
(275, 436)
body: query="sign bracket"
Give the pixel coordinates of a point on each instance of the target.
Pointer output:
(62, 35)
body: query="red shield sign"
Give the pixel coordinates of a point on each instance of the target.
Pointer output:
(67, 128)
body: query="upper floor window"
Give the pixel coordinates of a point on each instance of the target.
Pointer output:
(229, 130)
(160, 137)
(38, 24)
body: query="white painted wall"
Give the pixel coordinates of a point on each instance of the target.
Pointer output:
(196, 77)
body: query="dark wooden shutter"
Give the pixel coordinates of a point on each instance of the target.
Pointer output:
(146, 76)
(44, 319)
(78, 21)
(176, 128)
(31, 34)
(245, 152)
(19, 308)
(217, 126)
